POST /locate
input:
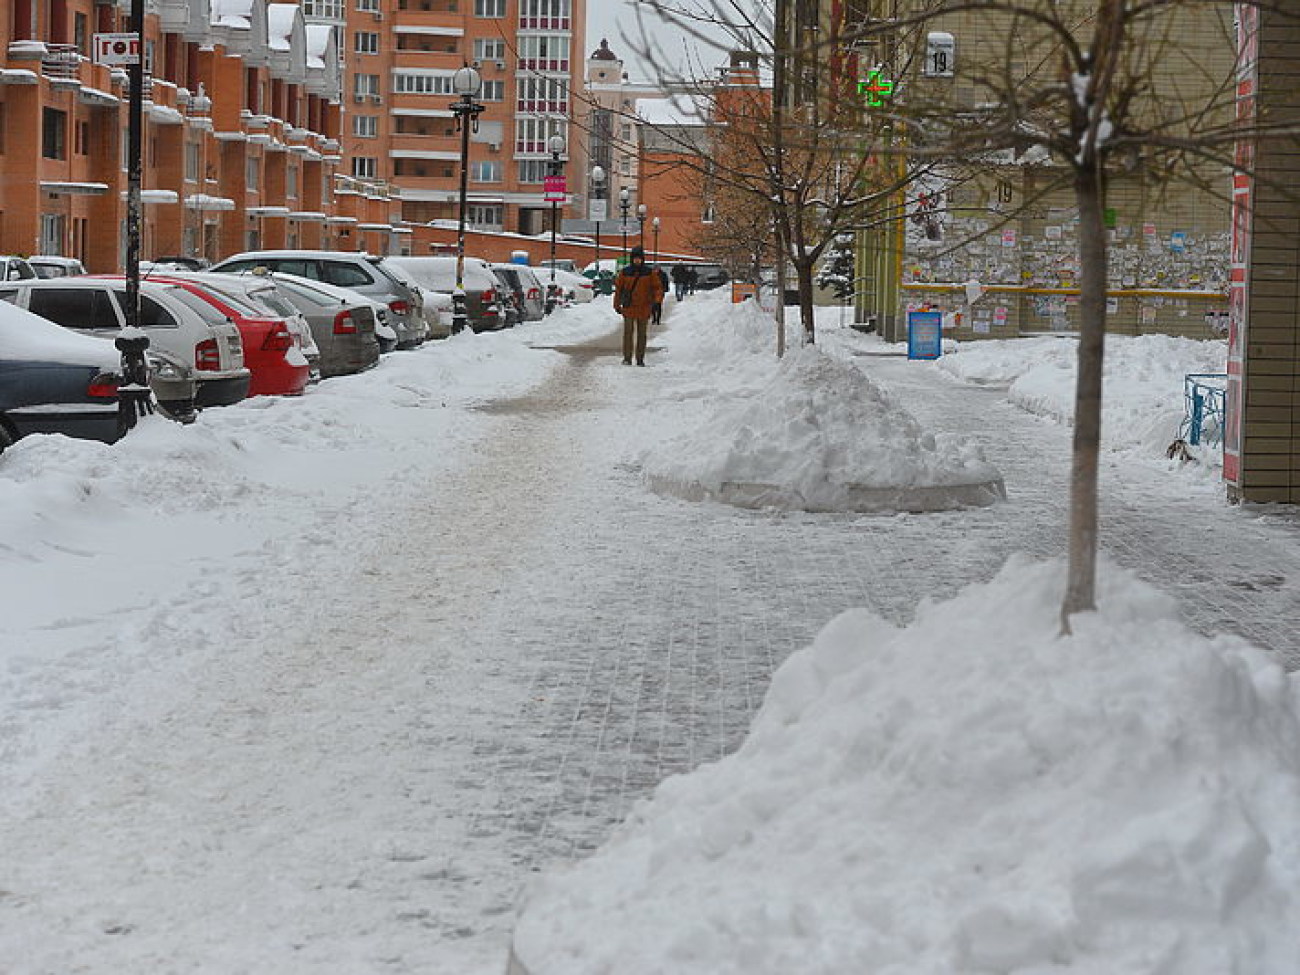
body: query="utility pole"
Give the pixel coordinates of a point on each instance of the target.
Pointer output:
(134, 397)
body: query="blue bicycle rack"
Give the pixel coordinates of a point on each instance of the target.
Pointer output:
(1203, 416)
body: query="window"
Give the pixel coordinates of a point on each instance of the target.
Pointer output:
(625, 132)
(368, 5)
(52, 225)
(493, 91)
(81, 34)
(365, 84)
(152, 314)
(490, 48)
(486, 216)
(542, 96)
(75, 307)
(625, 166)
(365, 42)
(485, 171)
(533, 170)
(411, 82)
(544, 52)
(346, 275)
(489, 8)
(365, 126)
(324, 9)
(545, 14)
(291, 181)
(531, 134)
(192, 149)
(366, 167)
(83, 138)
(253, 172)
(54, 133)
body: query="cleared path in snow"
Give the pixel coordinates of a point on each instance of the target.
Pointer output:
(506, 659)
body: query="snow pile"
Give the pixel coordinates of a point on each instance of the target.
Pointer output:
(1142, 397)
(971, 794)
(810, 432)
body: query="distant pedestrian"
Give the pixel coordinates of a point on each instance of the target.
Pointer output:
(637, 290)
(658, 315)
(692, 279)
(679, 281)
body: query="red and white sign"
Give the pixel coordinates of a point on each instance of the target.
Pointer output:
(117, 49)
(556, 190)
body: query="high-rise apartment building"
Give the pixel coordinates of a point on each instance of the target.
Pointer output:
(398, 129)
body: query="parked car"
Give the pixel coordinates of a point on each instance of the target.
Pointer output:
(262, 292)
(574, 287)
(53, 380)
(342, 322)
(439, 308)
(563, 263)
(361, 272)
(481, 287)
(195, 354)
(527, 290)
(434, 328)
(54, 266)
(707, 276)
(510, 307)
(273, 349)
(15, 268)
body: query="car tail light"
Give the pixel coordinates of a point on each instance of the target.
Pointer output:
(103, 386)
(207, 355)
(534, 294)
(279, 339)
(488, 296)
(344, 323)
(399, 307)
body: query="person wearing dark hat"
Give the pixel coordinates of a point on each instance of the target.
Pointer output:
(637, 290)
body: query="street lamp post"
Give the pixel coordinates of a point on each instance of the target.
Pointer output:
(640, 218)
(654, 224)
(556, 145)
(597, 214)
(467, 83)
(133, 393)
(624, 201)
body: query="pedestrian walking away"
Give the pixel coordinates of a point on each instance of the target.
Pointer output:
(692, 279)
(637, 290)
(679, 281)
(658, 315)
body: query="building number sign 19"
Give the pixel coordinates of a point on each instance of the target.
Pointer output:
(940, 55)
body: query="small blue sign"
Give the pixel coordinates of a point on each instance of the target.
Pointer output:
(924, 334)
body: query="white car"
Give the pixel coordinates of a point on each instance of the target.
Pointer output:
(54, 266)
(195, 354)
(575, 287)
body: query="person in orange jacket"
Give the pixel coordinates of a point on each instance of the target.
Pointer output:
(637, 290)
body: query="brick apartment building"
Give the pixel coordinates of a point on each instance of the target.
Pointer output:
(325, 124)
(399, 58)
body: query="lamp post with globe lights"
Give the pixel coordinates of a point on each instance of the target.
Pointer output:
(654, 226)
(555, 192)
(597, 214)
(624, 201)
(467, 83)
(640, 218)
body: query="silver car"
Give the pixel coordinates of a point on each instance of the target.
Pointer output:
(360, 272)
(341, 321)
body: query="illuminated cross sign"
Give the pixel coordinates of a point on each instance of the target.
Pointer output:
(874, 88)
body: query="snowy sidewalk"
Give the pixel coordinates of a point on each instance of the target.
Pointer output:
(506, 646)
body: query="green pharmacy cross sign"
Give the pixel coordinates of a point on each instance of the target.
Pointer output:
(874, 88)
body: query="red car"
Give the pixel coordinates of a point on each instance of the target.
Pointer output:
(271, 350)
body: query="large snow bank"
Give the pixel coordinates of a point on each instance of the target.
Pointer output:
(1142, 396)
(810, 431)
(971, 794)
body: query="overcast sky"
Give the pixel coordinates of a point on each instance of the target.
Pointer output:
(617, 19)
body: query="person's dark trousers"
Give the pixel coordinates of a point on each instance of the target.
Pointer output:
(680, 290)
(657, 314)
(634, 333)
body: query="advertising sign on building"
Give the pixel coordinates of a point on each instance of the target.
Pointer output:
(555, 189)
(117, 49)
(924, 334)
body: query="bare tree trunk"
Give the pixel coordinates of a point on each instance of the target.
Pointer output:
(780, 292)
(804, 273)
(1080, 591)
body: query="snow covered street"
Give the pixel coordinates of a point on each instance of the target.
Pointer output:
(321, 685)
